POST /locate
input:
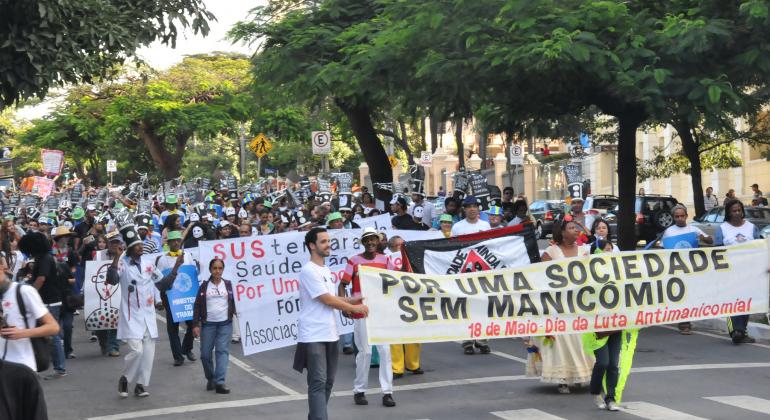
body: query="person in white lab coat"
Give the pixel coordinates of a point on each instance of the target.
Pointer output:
(137, 325)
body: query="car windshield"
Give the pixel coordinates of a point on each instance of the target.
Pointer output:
(758, 214)
(605, 203)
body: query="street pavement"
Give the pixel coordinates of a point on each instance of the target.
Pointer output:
(702, 376)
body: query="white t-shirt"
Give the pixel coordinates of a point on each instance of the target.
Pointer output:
(732, 235)
(20, 351)
(463, 227)
(316, 320)
(216, 302)
(675, 230)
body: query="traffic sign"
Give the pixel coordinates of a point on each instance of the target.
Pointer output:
(426, 158)
(322, 142)
(112, 166)
(517, 154)
(260, 145)
(393, 161)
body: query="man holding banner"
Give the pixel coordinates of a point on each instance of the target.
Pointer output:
(370, 239)
(169, 266)
(317, 337)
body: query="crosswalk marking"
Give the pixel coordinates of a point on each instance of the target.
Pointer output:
(746, 402)
(655, 412)
(525, 414)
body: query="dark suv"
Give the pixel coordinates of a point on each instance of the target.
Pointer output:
(544, 212)
(653, 215)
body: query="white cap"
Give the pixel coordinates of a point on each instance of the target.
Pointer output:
(230, 211)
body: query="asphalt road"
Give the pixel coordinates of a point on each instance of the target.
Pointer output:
(675, 377)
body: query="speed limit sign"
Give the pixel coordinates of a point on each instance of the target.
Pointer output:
(322, 142)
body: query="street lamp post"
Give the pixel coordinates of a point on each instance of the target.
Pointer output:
(243, 151)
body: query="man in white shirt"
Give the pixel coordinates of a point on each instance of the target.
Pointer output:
(472, 223)
(136, 324)
(710, 200)
(317, 337)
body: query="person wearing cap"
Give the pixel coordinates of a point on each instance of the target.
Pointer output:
(45, 226)
(428, 210)
(495, 217)
(227, 230)
(335, 220)
(347, 215)
(452, 208)
(137, 325)
(445, 225)
(231, 215)
(472, 224)
(403, 220)
(171, 208)
(152, 241)
(168, 264)
(370, 240)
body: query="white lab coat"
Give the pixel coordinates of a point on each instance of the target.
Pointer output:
(137, 308)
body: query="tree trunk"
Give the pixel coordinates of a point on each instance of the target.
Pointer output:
(360, 120)
(167, 162)
(483, 147)
(433, 133)
(690, 148)
(459, 141)
(627, 126)
(422, 134)
(405, 142)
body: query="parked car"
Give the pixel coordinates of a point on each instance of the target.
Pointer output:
(653, 215)
(601, 206)
(544, 212)
(710, 221)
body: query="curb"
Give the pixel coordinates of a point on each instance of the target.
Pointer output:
(755, 329)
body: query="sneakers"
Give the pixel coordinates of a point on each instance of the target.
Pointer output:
(469, 350)
(222, 389)
(191, 356)
(114, 353)
(178, 362)
(140, 392)
(71, 356)
(600, 403)
(123, 387)
(740, 337)
(398, 375)
(387, 400)
(347, 350)
(360, 398)
(612, 405)
(209, 386)
(56, 375)
(563, 389)
(484, 349)
(93, 338)
(747, 340)
(417, 371)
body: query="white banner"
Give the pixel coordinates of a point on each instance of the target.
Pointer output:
(380, 222)
(493, 254)
(265, 270)
(101, 305)
(601, 292)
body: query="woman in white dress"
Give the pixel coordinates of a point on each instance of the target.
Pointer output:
(565, 362)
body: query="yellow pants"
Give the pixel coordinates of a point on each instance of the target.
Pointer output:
(412, 360)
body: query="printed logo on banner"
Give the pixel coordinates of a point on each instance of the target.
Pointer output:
(492, 254)
(181, 297)
(687, 240)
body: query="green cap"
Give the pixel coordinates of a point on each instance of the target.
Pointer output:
(333, 216)
(171, 199)
(268, 204)
(78, 213)
(446, 218)
(9, 217)
(174, 234)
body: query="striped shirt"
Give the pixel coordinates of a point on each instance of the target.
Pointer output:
(351, 270)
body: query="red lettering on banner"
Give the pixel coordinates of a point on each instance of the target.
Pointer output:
(256, 248)
(219, 253)
(249, 292)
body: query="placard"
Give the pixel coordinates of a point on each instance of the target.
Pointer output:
(53, 161)
(181, 297)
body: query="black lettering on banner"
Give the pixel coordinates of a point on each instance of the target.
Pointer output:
(554, 272)
(526, 306)
(607, 303)
(679, 295)
(457, 311)
(471, 284)
(426, 308)
(240, 269)
(410, 285)
(594, 273)
(639, 293)
(498, 285)
(547, 301)
(677, 264)
(405, 303)
(615, 268)
(520, 282)
(629, 264)
(269, 334)
(431, 286)
(582, 274)
(499, 306)
(581, 299)
(698, 260)
(654, 265)
(718, 259)
(388, 281)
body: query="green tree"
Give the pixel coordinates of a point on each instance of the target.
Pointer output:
(45, 43)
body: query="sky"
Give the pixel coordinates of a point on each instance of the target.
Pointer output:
(161, 57)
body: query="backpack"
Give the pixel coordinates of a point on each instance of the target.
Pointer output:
(41, 346)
